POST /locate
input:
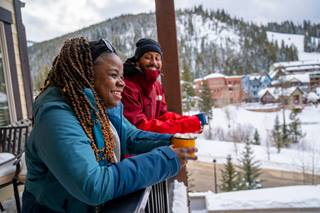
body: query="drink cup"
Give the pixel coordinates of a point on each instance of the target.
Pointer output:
(180, 142)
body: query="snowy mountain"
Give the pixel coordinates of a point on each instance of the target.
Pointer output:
(297, 41)
(208, 41)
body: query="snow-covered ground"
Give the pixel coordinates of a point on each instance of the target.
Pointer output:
(264, 121)
(304, 155)
(287, 159)
(180, 199)
(277, 198)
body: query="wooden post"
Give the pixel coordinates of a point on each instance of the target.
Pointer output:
(167, 36)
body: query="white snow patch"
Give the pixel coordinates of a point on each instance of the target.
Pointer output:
(180, 200)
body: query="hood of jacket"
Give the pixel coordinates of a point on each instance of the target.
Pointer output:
(130, 68)
(51, 96)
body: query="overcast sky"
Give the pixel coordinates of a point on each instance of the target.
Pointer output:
(46, 19)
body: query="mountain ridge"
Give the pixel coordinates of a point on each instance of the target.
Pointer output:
(208, 41)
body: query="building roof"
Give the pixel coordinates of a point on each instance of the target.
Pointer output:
(296, 63)
(233, 76)
(214, 75)
(312, 96)
(276, 92)
(217, 75)
(302, 77)
(289, 91)
(294, 66)
(302, 68)
(271, 90)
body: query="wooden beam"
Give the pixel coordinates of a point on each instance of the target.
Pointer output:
(167, 36)
(22, 43)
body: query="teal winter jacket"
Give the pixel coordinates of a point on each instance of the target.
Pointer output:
(63, 174)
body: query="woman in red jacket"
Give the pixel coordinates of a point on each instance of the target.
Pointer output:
(143, 96)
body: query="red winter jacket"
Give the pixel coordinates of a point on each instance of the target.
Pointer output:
(146, 108)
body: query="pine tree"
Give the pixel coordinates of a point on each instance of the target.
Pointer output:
(188, 92)
(256, 138)
(250, 170)
(206, 100)
(285, 140)
(276, 134)
(230, 177)
(206, 104)
(295, 131)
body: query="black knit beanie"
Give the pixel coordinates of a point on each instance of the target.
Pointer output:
(99, 47)
(146, 45)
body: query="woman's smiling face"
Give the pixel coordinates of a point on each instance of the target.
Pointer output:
(108, 79)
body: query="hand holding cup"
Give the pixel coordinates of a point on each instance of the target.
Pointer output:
(185, 144)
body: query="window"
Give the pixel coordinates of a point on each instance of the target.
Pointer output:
(4, 100)
(296, 99)
(4, 109)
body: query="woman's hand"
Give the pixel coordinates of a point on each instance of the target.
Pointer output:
(185, 154)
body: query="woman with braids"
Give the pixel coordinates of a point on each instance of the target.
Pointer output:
(74, 154)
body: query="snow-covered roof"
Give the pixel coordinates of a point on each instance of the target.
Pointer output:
(301, 68)
(198, 79)
(313, 97)
(288, 91)
(214, 75)
(295, 66)
(276, 92)
(233, 76)
(217, 75)
(254, 77)
(301, 77)
(296, 63)
(306, 196)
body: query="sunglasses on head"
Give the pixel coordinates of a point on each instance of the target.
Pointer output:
(109, 46)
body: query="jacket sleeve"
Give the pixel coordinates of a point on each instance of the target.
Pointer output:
(64, 148)
(139, 141)
(168, 124)
(134, 140)
(158, 165)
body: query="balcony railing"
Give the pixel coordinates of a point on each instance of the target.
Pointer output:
(155, 199)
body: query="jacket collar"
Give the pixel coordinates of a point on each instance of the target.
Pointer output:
(135, 74)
